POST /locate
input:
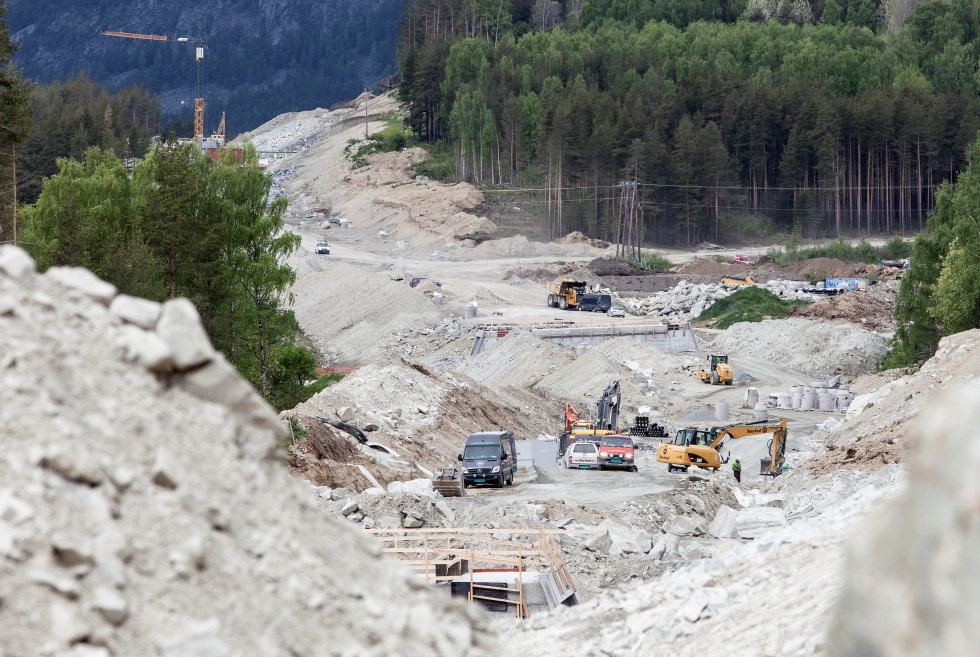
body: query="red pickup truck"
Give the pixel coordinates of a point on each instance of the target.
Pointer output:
(617, 452)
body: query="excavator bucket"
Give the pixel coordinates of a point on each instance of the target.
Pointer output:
(449, 483)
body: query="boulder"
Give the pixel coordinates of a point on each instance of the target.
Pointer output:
(600, 542)
(83, 281)
(723, 526)
(414, 487)
(141, 312)
(754, 521)
(180, 327)
(692, 525)
(15, 263)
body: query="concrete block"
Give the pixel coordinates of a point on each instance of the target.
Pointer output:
(350, 507)
(723, 526)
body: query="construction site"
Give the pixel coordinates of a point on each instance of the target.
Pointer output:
(508, 465)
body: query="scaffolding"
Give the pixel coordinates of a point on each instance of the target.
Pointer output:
(456, 555)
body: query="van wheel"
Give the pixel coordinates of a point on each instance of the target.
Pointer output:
(510, 479)
(500, 482)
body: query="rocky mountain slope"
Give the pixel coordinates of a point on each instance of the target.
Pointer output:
(263, 57)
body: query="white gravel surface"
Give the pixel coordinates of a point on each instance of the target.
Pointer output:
(815, 347)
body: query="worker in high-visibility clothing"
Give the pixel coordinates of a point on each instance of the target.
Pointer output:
(737, 470)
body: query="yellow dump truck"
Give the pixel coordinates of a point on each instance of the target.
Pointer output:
(566, 294)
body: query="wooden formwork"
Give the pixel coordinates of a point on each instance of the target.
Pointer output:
(447, 554)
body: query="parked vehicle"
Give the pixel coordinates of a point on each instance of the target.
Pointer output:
(597, 303)
(323, 248)
(582, 455)
(616, 451)
(489, 457)
(616, 311)
(743, 260)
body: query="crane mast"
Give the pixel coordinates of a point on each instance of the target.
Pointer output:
(198, 57)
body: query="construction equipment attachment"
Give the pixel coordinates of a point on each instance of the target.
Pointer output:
(449, 483)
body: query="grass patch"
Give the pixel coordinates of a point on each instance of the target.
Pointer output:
(750, 304)
(323, 382)
(650, 261)
(791, 253)
(394, 137)
(530, 386)
(439, 166)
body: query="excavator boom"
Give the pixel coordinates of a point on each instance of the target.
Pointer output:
(702, 447)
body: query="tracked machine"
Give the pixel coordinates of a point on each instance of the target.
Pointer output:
(702, 447)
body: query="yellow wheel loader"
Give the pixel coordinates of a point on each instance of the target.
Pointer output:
(566, 294)
(702, 447)
(718, 370)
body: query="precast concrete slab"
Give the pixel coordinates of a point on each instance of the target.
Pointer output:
(666, 337)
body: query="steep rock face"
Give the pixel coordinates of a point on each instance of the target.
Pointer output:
(264, 57)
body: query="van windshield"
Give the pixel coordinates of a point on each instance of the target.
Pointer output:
(477, 452)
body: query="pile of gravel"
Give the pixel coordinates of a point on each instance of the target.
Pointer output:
(815, 347)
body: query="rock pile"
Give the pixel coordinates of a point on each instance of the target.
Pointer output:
(686, 301)
(817, 348)
(143, 510)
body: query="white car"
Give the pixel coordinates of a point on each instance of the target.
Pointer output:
(323, 248)
(616, 311)
(582, 455)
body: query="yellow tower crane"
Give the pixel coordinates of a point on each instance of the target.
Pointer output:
(198, 57)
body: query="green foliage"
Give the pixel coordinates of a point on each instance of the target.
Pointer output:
(718, 120)
(292, 366)
(652, 261)
(183, 225)
(749, 304)
(839, 249)
(940, 293)
(394, 137)
(439, 165)
(71, 117)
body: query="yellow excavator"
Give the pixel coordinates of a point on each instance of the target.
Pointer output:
(719, 371)
(702, 447)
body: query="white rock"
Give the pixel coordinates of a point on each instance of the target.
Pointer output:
(110, 605)
(141, 312)
(17, 264)
(84, 281)
(754, 521)
(144, 348)
(415, 487)
(723, 526)
(163, 473)
(345, 413)
(350, 507)
(180, 327)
